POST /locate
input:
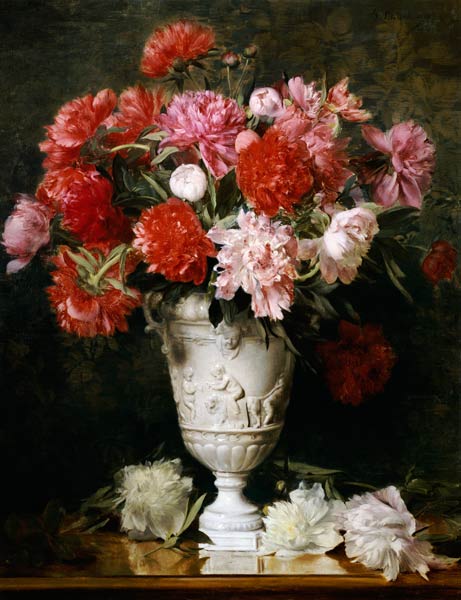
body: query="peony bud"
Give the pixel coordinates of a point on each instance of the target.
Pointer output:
(250, 51)
(244, 139)
(266, 102)
(230, 59)
(188, 182)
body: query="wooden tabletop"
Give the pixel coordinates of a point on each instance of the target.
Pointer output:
(120, 569)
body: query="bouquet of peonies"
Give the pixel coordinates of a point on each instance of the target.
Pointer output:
(254, 195)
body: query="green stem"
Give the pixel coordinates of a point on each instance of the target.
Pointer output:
(192, 80)
(124, 146)
(239, 83)
(310, 274)
(95, 279)
(229, 81)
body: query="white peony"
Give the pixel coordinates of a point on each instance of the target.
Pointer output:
(156, 498)
(344, 244)
(379, 533)
(306, 525)
(188, 182)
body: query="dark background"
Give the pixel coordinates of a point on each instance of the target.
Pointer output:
(74, 411)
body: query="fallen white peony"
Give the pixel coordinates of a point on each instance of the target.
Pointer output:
(155, 499)
(306, 525)
(380, 533)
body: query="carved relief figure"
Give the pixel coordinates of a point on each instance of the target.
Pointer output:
(261, 410)
(224, 402)
(189, 388)
(228, 340)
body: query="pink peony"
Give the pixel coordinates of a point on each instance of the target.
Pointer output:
(340, 100)
(26, 231)
(380, 534)
(260, 258)
(305, 96)
(266, 102)
(407, 174)
(344, 244)
(209, 120)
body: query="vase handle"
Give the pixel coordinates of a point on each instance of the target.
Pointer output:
(150, 304)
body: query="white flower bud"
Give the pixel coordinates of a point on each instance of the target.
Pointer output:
(188, 182)
(266, 102)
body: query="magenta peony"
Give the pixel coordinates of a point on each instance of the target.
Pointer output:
(27, 229)
(260, 258)
(208, 120)
(407, 173)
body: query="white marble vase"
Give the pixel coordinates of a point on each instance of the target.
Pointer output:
(231, 393)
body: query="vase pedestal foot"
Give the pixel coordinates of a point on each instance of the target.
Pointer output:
(231, 522)
(232, 541)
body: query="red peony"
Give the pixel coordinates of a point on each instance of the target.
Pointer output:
(56, 183)
(329, 162)
(138, 109)
(273, 173)
(174, 46)
(75, 123)
(440, 263)
(173, 242)
(85, 200)
(85, 310)
(359, 364)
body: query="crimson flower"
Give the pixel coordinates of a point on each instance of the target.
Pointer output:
(173, 242)
(88, 310)
(359, 364)
(273, 172)
(85, 200)
(440, 263)
(138, 109)
(174, 46)
(75, 123)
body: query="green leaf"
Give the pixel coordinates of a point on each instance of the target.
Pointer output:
(192, 513)
(89, 256)
(229, 310)
(395, 273)
(121, 287)
(169, 543)
(155, 136)
(215, 313)
(164, 154)
(97, 526)
(306, 469)
(157, 187)
(228, 195)
(52, 516)
(81, 261)
(122, 267)
(261, 328)
(212, 192)
(279, 330)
